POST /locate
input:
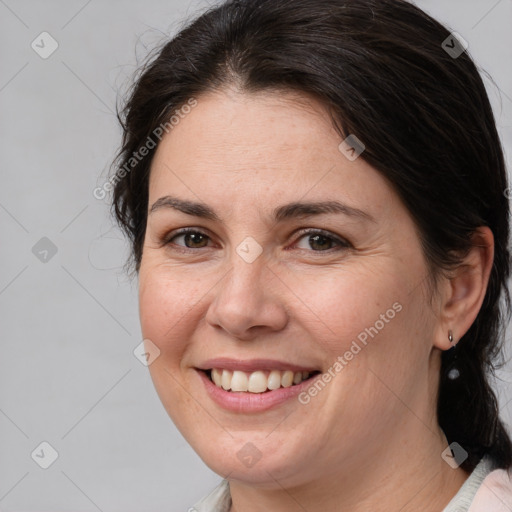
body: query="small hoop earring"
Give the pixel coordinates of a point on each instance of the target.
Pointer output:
(450, 336)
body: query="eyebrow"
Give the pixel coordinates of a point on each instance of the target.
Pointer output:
(281, 213)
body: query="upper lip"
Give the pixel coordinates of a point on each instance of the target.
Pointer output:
(252, 365)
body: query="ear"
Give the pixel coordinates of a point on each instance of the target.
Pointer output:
(464, 291)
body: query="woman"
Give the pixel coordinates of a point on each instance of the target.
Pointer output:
(315, 193)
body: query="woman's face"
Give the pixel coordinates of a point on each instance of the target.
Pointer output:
(265, 289)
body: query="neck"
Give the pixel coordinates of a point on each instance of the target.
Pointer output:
(406, 474)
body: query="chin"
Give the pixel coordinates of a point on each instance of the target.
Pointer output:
(244, 458)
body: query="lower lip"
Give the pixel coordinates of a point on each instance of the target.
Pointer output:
(253, 402)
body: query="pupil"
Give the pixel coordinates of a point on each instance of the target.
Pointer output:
(192, 236)
(315, 240)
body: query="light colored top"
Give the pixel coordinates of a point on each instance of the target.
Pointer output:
(485, 490)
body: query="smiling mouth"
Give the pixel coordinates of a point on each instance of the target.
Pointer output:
(260, 381)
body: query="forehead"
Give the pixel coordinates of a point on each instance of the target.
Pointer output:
(259, 148)
(255, 127)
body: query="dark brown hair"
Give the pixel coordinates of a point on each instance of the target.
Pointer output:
(381, 68)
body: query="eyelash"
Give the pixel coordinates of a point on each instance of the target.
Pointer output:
(342, 243)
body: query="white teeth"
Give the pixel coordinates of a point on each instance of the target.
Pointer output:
(239, 381)
(274, 380)
(256, 382)
(217, 377)
(226, 379)
(287, 379)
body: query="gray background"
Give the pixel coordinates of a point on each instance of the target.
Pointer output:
(69, 320)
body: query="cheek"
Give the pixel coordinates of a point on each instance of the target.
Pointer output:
(376, 336)
(344, 305)
(169, 308)
(371, 326)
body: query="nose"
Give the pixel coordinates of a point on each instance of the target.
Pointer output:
(248, 301)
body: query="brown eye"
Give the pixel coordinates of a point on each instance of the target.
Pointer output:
(316, 240)
(322, 241)
(193, 239)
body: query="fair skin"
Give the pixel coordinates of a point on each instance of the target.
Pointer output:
(370, 439)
